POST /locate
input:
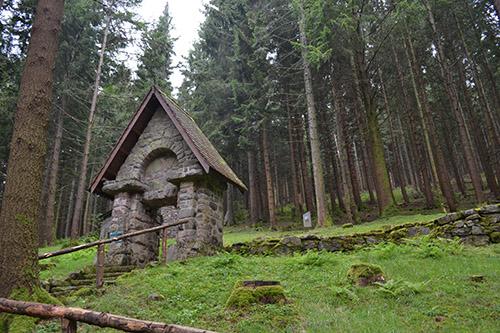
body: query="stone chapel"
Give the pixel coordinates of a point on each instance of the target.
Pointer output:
(162, 170)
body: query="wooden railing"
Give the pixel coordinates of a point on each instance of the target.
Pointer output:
(101, 243)
(70, 316)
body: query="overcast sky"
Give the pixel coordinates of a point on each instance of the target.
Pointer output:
(186, 18)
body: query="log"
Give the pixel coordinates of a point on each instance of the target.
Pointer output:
(100, 319)
(105, 241)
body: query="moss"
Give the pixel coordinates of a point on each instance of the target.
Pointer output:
(16, 323)
(347, 225)
(398, 234)
(365, 274)
(86, 291)
(244, 296)
(495, 237)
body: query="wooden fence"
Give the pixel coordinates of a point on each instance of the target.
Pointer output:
(70, 316)
(100, 248)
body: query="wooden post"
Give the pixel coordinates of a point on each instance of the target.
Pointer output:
(68, 325)
(164, 247)
(100, 266)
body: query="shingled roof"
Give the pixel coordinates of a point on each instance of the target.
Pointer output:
(205, 152)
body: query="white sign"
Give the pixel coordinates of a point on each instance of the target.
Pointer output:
(307, 220)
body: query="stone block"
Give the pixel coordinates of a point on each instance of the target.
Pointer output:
(291, 241)
(476, 240)
(488, 210)
(459, 224)
(424, 231)
(329, 245)
(310, 244)
(476, 230)
(186, 212)
(461, 232)
(413, 231)
(472, 217)
(494, 218)
(469, 212)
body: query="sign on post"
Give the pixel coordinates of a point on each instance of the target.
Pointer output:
(307, 219)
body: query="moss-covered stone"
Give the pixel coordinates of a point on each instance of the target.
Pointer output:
(495, 237)
(347, 225)
(365, 274)
(243, 296)
(86, 291)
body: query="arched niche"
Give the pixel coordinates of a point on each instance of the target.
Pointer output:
(158, 167)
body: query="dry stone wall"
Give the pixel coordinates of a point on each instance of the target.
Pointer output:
(474, 227)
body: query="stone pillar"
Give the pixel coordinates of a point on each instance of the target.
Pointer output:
(200, 205)
(129, 215)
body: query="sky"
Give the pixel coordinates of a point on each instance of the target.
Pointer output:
(186, 18)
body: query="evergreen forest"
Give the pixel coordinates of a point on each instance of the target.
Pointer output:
(346, 109)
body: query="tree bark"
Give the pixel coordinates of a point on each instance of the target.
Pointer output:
(319, 183)
(486, 158)
(77, 215)
(422, 165)
(441, 171)
(373, 139)
(339, 105)
(293, 160)
(324, 124)
(21, 197)
(269, 181)
(456, 109)
(229, 216)
(56, 150)
(308, 192)
(397, 157)
(362, 131)
(252, 179)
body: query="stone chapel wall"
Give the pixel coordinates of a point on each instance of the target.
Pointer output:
(141, 188)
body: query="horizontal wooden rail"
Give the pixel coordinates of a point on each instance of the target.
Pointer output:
(105, 241)
(71, 316)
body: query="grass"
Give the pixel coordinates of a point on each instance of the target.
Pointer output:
(237, 234)
(429, 289)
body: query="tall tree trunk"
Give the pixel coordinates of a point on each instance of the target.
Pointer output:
(43, 204)
(422, 165)
(308, 192)
(339, 105)
(269, 181)
(56, 151)
(349, 155)
(362, 131)
(229, 216)
(374, 140)
(324, 123)
(486, 158)
(77, 215)
(397, 157)
(456, 109)
(253, 196)
(440, 169)
(493, 132)
(295, 180)
(21, 197)
(319, 183)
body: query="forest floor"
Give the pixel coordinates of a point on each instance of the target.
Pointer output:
(432, 285)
